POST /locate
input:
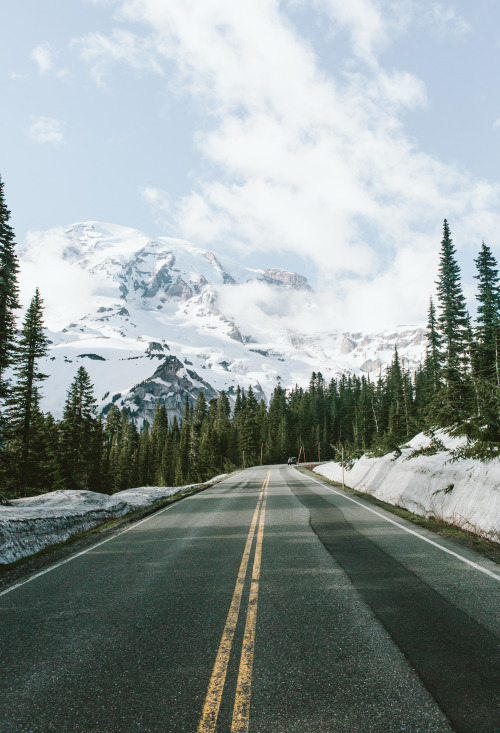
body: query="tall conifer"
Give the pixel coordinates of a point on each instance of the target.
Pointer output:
(433, 352)
(488, 316)
(8, 292)
(82, 441)
(453, 325)
(23, 402)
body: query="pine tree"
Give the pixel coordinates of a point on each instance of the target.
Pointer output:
(158, 439)
(8, 292)
(222, 430)
(82, 439)
(398, 415)
(200, 411)
(110, 433)
(248, 430)
(183, 464)
(277, 439)
(145, 457)
(453, 323)
(23, 404)
(433, 353)
(488, 316)
(127, 455)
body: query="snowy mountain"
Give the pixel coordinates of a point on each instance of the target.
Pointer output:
(165, 318)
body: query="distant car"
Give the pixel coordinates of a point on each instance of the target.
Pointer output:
(292, 461)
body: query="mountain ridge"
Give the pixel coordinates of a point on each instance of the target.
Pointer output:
(167, 318)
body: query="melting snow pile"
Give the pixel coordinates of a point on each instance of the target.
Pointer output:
(465, 492)
(32, 524)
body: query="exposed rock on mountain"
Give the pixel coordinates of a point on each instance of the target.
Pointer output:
(282, 278)
(371, 365)
(169, 384)
(347, 345)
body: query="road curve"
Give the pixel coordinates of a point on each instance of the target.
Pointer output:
(268, 603)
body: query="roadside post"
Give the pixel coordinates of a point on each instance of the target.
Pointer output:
(343, 486)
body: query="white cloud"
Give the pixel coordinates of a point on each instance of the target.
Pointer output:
(156, 198)
(445, 21)
(67, 290)
(47, 130)
(305, 161)
(43, 55)
(364, 21)
(122, 46)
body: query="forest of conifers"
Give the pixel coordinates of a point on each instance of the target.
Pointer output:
(457, 386)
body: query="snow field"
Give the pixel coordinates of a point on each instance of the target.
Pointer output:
(465, 493)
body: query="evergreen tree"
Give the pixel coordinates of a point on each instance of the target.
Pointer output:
(199, 413)
(248, 428)
(127, 455)
(158, 441)
(433, 353)
(183, 464)
(8, 292)
(82, 439)
(488, 316)
(276, 442)
(222, 431)
(110, 439)
(453, 322)
(397, 409)
(24, 401)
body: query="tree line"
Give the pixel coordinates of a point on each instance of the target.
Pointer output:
(457, 386)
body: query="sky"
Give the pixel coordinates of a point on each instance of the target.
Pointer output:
(322, 136)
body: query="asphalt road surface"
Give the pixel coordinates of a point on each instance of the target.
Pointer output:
(268, 603)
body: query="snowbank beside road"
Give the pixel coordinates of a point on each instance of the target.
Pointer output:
(32, 524)
(465, 493)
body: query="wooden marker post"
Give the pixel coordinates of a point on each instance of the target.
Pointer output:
(343, 487)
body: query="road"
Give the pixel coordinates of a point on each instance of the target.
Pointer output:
(268, 603)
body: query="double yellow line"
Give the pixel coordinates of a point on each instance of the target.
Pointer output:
(241, 710)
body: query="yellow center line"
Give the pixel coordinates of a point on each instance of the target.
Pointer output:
(211, 707)
(241, 711)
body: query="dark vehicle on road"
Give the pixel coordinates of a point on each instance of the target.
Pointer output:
(291, 461)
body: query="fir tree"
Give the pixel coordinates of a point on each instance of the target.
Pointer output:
(82, 439)
(453, 322)
(277, 438)
(433, 353)
(488, 316)
(199, 413)
(8, 292)
(158, 441)
(183, 464)
(248, 428)
(127, 456)
(24, 401)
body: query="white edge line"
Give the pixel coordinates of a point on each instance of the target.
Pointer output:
(406, 529)
(83, 552)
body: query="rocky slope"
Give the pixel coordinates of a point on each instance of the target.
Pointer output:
(166, 319)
